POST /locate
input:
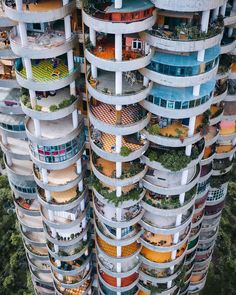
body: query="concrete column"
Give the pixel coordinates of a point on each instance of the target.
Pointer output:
(44, 175)
(234, 6)
(118, 233)
(145, 81)
(176, 238)
(37, 127)
(205, 20)
(201, 55)
(118, 4)
(118, 47)
(94, 71)
(50, 215)
(147, 48)
(79, 166)
(223, 9)
(82, 205)
(230, 31)
(184, 178)
(92, 36)
(215, 13)
(48, 195)
(71, 67)
(196, 90)
(23, 34)
(19, 4)
(4, 138)
(84, 223)
(75, 119)
(192, 122)
(81, 185)
(119, 83)
(9, 160)
(178, 220)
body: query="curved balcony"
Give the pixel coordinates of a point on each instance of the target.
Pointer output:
(20, 171)
(85, 288)
(13, 125)
(220, 93)
(228, 47)
(108, 252)
(224, 151)
(216, 114)
(229, 111)
(58, 180)
(107, 235)
(171, 206)
(70, 220)
(45, 76)
(41, 277)
(176, 103)
(33, 223)
(104, 118)
(162, 259)
(27, 206)
(18, 149)
(103, 144)
(132, 172)
(212, 135)
(33, 238)
(45, 11)
(46, 45)
(103, 89)
(155, 158)
(167, 40)
(193, 6)
(100, 23)
(62, 201)
(118, 66)
(165, 226)
(51, 107)
(173, 135)
(130, 196)
(161, 188)
(107, 214)
(169, 71)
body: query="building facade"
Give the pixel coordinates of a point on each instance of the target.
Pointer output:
(118, 132)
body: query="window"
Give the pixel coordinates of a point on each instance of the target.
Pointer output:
(137, 45)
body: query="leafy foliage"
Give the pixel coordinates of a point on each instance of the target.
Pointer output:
(14, 276)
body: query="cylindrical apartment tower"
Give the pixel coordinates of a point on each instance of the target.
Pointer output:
(115, 52)
(186, 38)
(44, 39)
(20, 168)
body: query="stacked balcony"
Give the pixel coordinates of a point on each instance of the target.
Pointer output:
(115, 52)
(46, 70)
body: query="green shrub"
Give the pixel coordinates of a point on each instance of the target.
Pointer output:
(53, 108)
(38, 108)
(154, 129)
(125, 151)
(65, 103)
(152, 156)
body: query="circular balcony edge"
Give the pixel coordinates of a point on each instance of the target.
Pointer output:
(158, 166)
(116, 259)
(49, 84)
(116, 243)
(51, 141)
(116, 157)
(217, 119)
(227, 48)
(43, 52)
(118, 224)
(118, 289)
(31, 242)
(123, 99)
(166, 231)
(163, 264)
(160, 280)
(14, 134)
(37, 278)
(58, 165)
(32, 228)
(212, 140)
(50, 116)
(193, 6)
(69, 257)
(12, 174)
(229, 97)
(169, 212)
(173, 190)
(74, 285)
(176, 113)
(44, 270)
(149, 292)
(117, 274)
(57, 187)
(70, 242)
(165, 248)
(221, 97)
(219, 172)
(208, 160)
(118, 66)
(27, 211)
(180, 45)
(62, 206)
(73, 223)
(226, 137)
(172, 142)
(118, 28)
(14, 155)
(39, 16)
(119, 129)
(73, 271)
(173, 81)
(28, 196)
(225, 155)
(118, 182)
(39, 257)
(85, 292)
(125, 204)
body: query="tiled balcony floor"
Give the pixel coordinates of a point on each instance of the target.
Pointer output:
(65, 196)
(44, 5)
(107, 113)
(18, 146)
(22, 167)
(160, 240)
(224, 148)
(109, 167)
(44, 71)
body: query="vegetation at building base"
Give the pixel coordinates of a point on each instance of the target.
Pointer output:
(14, 275)
(222, 271)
